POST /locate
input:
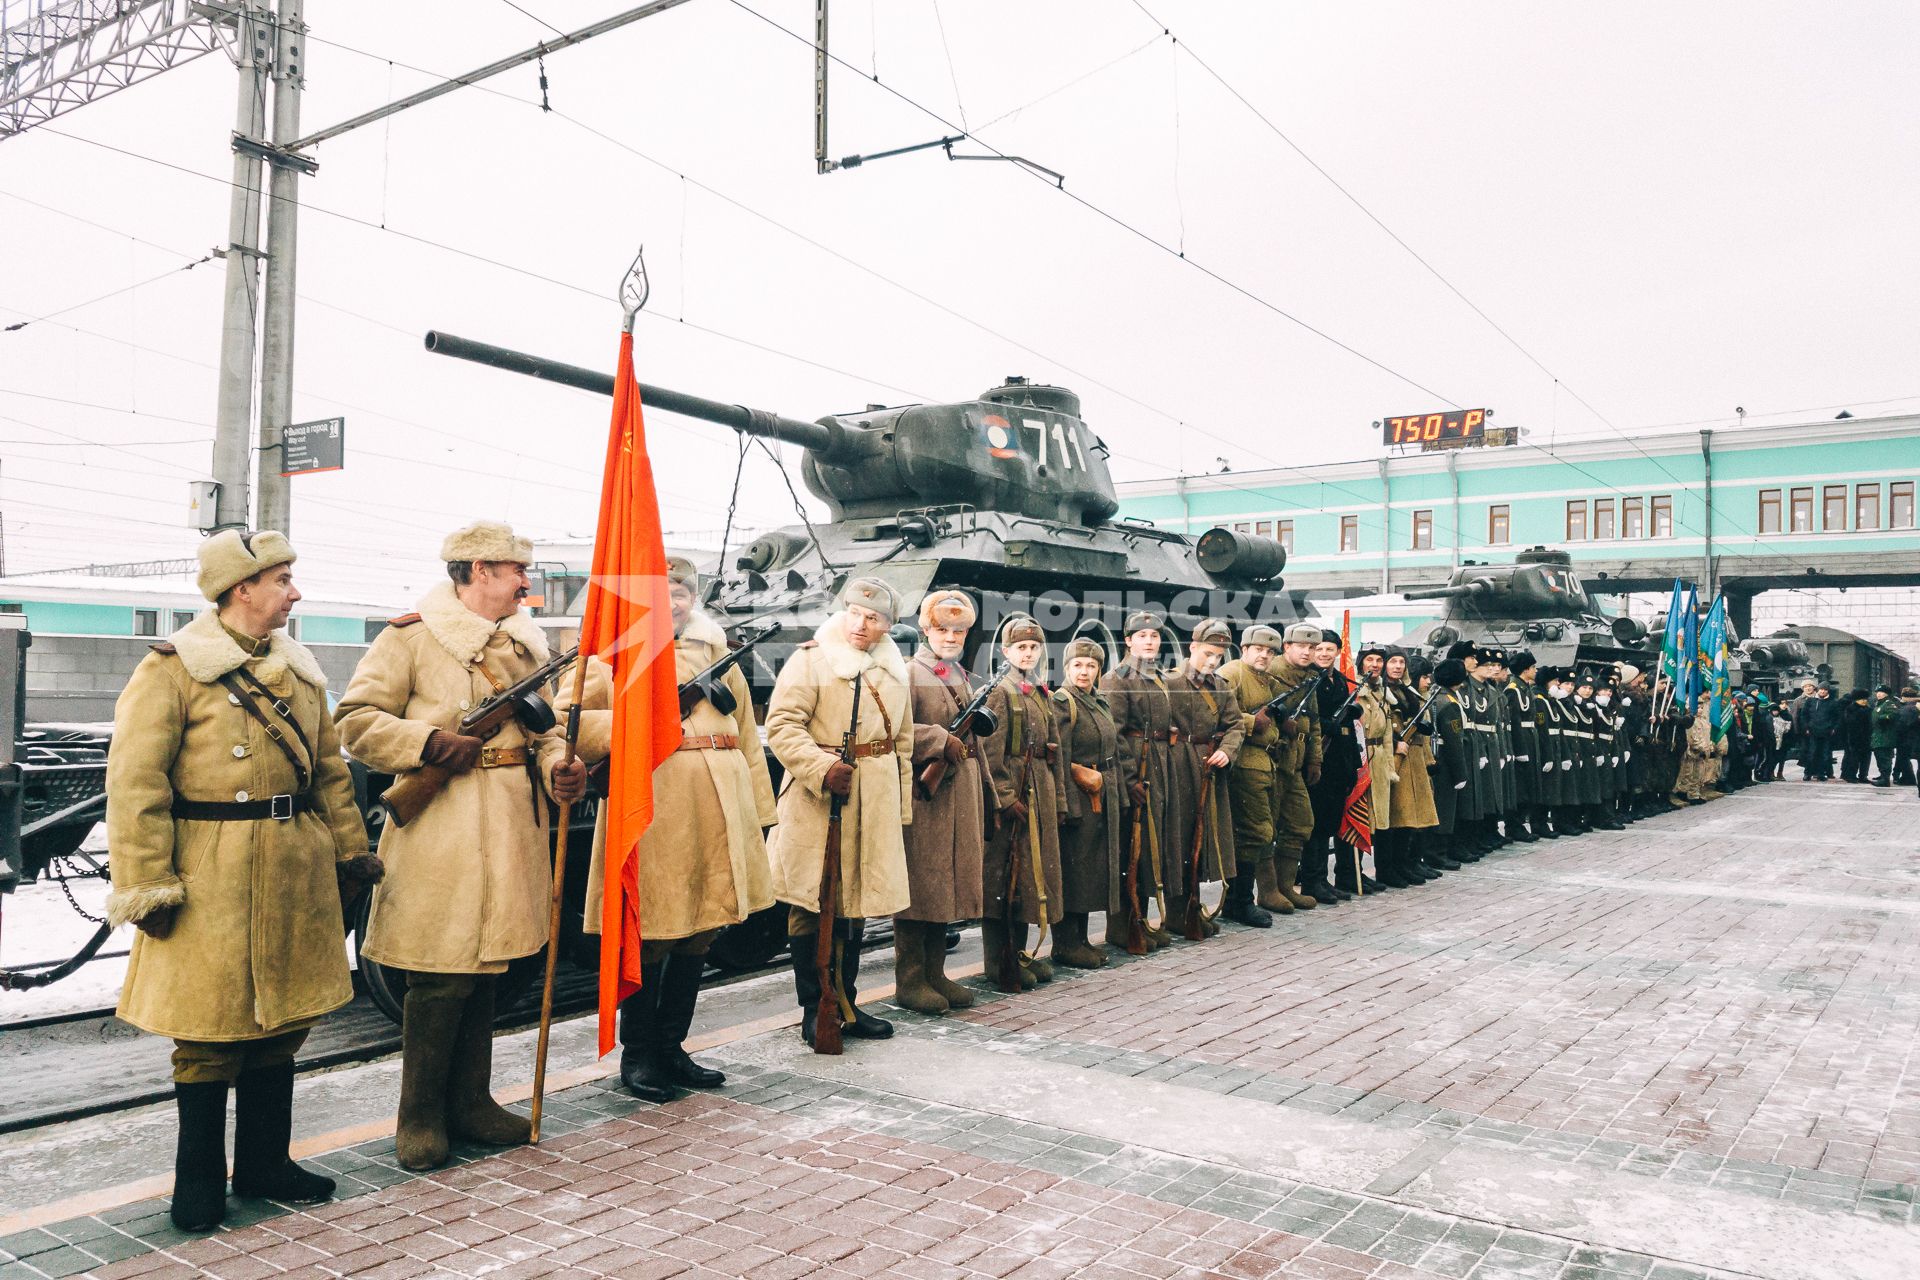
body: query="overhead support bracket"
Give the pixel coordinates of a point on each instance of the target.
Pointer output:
(278, 157)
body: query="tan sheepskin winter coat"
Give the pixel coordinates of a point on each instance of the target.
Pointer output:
(806, 718)
(702, 864)
(468, 881)
(258, 946)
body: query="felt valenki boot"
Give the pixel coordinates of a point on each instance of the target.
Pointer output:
(911, 989)
(200, 1155)
(262, 1131)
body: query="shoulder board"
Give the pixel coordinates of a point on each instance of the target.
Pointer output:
(164, 648)
(808, 644)
(404, 620)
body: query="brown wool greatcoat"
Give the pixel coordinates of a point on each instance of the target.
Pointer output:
(702, 864)
(948, 836)
(1143, 713)
(806, 718)
(1090, 843)
(468, 881)
(1024, 762)
(1412, 799)
(257, 947)
(1205, 710)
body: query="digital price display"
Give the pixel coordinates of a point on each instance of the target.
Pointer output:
(1435, 428)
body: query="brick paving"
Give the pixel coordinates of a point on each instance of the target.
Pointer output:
(1680, 1010)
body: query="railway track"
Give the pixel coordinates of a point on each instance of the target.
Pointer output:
(69, 1066)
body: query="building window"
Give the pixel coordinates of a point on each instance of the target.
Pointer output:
(1263, 528)
(11, 607)
(1833, 508)
(181, 617)
(146, 622)
(1423, 531)
(1900, 505)
(293, 628)
(1802, 512)
(1633, 518)
(1349, 533)
(1577, 521)
(1662, 515)
(1499, 525)
(1283, 534)
(1243, 526)
(1603, 518)
(1769, 511)
(1866, 506)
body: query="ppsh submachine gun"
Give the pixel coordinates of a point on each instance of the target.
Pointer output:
(709, 685)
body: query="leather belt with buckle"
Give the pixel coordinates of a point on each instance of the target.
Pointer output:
(709, 742)
(283, 808)
(863, 750)
(500, 757)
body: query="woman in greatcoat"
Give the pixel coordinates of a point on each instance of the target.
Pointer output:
(1207, 715)
(1090, 832)
(235, 839)
(948, 836)
(1027, 773)
(1376, 722)
(702, 864)
(1142, 710)
(1414, 816)
(808, 720)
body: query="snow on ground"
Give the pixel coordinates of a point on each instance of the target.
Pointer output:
(36, 923)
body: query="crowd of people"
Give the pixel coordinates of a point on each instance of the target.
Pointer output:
(1249, 778)
(1876, 734)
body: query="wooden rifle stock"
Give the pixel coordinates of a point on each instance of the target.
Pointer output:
(410, 793)
(826, 1015)
(1195, 924)
(1136, 944)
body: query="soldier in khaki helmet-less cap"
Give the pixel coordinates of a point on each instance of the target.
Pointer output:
(1296, 764)
(224, 778)
(1091, 876)
(807, 719)
(1254, 782)
(1136, 690)
(1207, 715)
(702, 864)
(471, 875)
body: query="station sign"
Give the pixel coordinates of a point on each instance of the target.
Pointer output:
(307, 447)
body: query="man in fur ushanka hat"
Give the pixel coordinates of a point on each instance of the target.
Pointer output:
(470, 878)
(224, 776)
(944, 844)
(702, 864)
(807, 722)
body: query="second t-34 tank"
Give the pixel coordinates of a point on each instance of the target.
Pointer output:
(1536, 603)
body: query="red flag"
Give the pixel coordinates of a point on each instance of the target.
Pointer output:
(1346, 646)
(1356, 826)
(629, 622)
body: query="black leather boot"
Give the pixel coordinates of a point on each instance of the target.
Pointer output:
(1240, 906)
(642, 1073)
(200, 1156)
(262, 1129)
(864, 1025)
(1517, 828)
(806, 981)
(679, 990)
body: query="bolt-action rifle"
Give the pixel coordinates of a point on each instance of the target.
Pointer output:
(826, 1016)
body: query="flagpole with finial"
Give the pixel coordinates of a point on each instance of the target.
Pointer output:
(634, 291)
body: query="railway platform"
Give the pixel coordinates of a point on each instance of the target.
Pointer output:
(1683, 1050)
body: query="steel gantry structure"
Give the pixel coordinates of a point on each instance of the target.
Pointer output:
(59, 55)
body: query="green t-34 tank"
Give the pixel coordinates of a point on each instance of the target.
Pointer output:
(1538, 603)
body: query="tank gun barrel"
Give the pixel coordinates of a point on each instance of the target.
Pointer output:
(828, 441)
(1458, 591)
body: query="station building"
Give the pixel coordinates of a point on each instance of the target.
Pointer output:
(1741, 510)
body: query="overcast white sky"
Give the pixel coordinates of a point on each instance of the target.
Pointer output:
(1675, 208)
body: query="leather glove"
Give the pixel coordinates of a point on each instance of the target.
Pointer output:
(158, 923)
(354, 878)
(1137, 793)
(1289, 727)
(1013, 811)
(840, 778)
(1262, 721)
(1313, 775)
(568, 781)
(956, 750)
(455, 751)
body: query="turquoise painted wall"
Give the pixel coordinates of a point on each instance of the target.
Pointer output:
(1536, 490)
(61, 617)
